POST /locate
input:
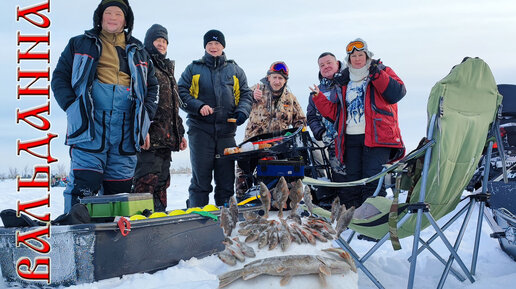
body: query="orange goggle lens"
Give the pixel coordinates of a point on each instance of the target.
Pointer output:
(358, 45)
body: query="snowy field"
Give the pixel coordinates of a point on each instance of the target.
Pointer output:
(494, 270)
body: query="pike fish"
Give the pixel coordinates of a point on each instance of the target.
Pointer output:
(287, 266)
(295, 196)
(265, 197)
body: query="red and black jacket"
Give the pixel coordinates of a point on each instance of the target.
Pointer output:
(381, 113)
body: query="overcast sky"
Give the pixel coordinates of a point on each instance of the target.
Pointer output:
(419, 40)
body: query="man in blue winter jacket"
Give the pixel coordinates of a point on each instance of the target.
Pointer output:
(217, 100)
(324, 129)
(105, 83)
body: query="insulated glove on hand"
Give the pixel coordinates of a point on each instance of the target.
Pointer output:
(374, 69)
(341, 78)
(319, 135)
(240, 118)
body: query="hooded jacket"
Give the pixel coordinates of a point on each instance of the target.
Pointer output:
(269, 114)
(166, 130)
(381, 113)
(222, 85)
(75, 72)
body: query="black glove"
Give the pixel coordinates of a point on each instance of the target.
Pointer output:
(374, 69)
(341, 78)
(240, 118)
(319, 134)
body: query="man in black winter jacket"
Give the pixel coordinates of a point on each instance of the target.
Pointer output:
(217, 99)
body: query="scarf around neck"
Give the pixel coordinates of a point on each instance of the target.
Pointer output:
(357, 74)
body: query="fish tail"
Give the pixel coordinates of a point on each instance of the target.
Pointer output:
(229, 277)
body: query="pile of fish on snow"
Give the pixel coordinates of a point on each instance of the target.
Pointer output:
(271, 233)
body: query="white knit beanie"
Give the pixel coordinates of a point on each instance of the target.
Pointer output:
(365, 49)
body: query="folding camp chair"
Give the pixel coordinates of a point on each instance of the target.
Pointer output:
(462, 110)
(501, 204)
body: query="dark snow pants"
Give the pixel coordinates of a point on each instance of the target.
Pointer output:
(152, 175)
(203, 150)
(361, 162)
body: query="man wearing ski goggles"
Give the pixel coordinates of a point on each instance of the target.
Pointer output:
(275, 108)
(279, 67)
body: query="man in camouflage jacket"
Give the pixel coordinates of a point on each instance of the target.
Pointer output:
(275, 108)
(166, 132)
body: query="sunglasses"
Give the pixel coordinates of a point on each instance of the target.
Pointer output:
(355, 45)
(280, 67)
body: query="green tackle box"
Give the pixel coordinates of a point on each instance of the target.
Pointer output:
(123, 204)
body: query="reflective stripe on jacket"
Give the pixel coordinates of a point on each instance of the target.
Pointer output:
(222, 85)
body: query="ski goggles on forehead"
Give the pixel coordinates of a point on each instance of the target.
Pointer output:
(280, 67)
(355, 45)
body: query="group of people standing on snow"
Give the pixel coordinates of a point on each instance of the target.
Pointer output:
(122, 104)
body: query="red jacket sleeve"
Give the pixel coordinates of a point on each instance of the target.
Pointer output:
(390, 86)
(327, 108)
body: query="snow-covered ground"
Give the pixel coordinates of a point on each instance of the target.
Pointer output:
(494, 270)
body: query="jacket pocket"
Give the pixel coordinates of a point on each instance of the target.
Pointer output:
(77, 120)
(385, 131)
(127, 142)
(97, 143)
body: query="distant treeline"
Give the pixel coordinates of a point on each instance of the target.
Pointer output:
(60, 171)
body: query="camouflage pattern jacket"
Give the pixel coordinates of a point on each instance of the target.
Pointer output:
(166, 130)
(269, 115)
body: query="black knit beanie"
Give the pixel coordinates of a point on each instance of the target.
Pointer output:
(214, 35)
(155, 31)
(118, 3)
(122, 4)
